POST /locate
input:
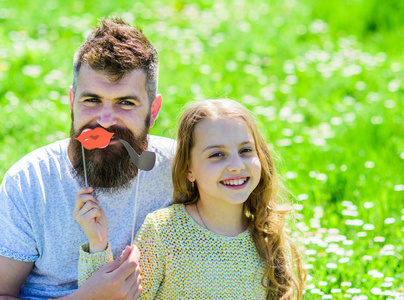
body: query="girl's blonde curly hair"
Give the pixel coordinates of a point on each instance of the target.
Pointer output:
(284, 275)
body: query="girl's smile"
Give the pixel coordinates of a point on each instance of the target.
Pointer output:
(235, 183)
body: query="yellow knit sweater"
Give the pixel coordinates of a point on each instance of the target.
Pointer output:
(182, 260)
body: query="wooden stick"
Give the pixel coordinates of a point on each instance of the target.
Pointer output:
(135, 210)
(86, 182)
(84, 165)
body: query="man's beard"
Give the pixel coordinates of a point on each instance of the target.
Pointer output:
(109, 168)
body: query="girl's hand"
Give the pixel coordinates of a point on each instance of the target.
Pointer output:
(120, 279)
(91, 218)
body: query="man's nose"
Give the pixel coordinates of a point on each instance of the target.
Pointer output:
(107, 117)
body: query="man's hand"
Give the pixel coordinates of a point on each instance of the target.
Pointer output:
(91, 218)
(119, 279)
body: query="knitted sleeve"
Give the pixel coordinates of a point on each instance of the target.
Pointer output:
(152, 262)
(92, 262)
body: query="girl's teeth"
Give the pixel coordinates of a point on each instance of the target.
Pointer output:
(234, 181)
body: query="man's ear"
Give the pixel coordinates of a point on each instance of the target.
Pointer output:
(155, 108)
(71, 98)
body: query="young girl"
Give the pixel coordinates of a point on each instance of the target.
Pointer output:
(225, 239)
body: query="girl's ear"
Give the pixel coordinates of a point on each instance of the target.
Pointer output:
(190, 176)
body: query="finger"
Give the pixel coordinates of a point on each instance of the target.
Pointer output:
(85, 190)
(91, 215)
(78, 204)
(82, 199)
(124, 256)
(138, 292)
(136, 289)
(84, 195)
(132, 283)
(88, 214)
(118, 262)
(134, 253)
(82, 214)
(89, 205)
(126, 269)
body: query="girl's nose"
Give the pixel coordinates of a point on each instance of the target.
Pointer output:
(236, 164)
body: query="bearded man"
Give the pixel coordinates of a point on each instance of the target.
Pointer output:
(115, 88)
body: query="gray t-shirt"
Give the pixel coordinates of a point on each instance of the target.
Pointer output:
(37, 199)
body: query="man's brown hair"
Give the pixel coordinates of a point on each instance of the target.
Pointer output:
(117, 48)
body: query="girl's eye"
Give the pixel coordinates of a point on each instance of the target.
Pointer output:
(216, 155)
(246, 150)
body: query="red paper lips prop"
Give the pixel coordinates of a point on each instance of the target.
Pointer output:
(95, 138)
(100, 138)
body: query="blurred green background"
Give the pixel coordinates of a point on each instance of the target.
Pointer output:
(324, 78)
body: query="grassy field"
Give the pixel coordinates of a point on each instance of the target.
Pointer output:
(325, 79)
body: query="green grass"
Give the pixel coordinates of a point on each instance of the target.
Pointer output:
(325, 79)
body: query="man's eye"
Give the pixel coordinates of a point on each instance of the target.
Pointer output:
(92, 100)
(129, 103)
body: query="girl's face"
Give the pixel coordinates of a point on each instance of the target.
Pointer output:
(224, 161)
